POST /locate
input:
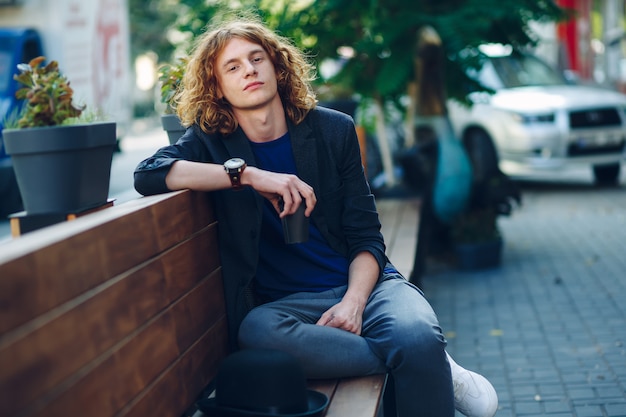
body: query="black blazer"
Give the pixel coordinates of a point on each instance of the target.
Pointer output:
(327, 156)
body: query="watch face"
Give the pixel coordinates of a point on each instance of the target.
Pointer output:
(234, 163)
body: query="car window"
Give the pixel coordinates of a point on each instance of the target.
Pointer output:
(524, 70)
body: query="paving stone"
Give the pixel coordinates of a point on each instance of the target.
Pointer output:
(556, 407)
(555, 304)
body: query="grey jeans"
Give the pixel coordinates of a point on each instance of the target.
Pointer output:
(400, 335)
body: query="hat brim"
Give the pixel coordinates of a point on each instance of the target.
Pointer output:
(317, 403)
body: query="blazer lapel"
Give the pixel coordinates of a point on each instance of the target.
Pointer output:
(304, 143)
(305, 152)
(238, 147)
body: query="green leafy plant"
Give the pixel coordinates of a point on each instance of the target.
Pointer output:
(171, 76)
(47, 94)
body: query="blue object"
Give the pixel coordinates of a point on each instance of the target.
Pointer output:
(453, 179)
(17, 45)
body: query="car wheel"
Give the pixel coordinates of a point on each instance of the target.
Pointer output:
(482, 154)
(606, 174)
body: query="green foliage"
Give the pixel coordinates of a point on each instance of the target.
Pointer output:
(10, 120)
(382, 34)
(47, 94)
(150, 21)
(170, 76)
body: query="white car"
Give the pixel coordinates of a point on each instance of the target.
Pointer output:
(540, 122)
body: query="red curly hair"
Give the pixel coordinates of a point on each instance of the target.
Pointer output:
(197, 100)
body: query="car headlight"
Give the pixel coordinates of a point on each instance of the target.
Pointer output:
(527, 119)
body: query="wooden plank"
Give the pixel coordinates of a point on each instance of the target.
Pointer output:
(109, 242)
(86, 324)
(177, 389)
(400, 221)
(108, 384)
(357, 397)
(180, 216)
(36, 357)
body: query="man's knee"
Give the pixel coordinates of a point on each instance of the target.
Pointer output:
(420, 336)
(251, 327)
(260, 329)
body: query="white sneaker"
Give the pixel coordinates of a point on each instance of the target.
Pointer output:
(474, 396)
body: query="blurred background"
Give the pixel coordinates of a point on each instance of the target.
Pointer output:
(115, 53)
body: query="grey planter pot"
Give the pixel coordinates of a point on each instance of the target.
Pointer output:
(173, 128)
(62, 169)
(481, 255)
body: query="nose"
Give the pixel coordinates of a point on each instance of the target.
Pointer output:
(250, 68)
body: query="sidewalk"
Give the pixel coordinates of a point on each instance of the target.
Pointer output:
(548, 327)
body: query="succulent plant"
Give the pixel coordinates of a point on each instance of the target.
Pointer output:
(47, 94)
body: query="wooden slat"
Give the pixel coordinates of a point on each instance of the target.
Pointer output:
(107, 385)
(176, 390)
(97, 309)
(109, 242)
(181, 215)
(45, 353)
(357, 397)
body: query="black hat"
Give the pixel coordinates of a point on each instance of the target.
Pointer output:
(262, 383)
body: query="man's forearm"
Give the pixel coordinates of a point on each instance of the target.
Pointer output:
(362, 277)
(197, 176)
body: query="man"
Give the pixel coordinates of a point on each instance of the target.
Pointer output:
(256, 139)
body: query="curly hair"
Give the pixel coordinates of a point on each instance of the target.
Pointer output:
(197, 100)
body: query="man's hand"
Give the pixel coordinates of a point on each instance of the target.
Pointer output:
(345, 315)
(285, 191)
(348, 313)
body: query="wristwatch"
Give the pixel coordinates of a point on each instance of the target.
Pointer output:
(234, 168)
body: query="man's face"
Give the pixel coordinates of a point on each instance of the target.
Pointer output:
(246, 75)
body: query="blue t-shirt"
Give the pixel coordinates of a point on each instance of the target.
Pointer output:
(285, 269)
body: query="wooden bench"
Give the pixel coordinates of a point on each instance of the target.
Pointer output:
(121, 313)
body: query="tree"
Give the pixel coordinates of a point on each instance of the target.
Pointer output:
(147, 22)
(383, 37)
(168, 27)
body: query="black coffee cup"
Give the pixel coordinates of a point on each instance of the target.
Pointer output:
(296, 226)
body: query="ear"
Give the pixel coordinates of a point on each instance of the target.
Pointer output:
(219, 93)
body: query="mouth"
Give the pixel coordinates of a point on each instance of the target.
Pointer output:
(253, 85)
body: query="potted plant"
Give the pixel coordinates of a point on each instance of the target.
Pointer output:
(476, 237)
(171, 76)
(62, 160)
